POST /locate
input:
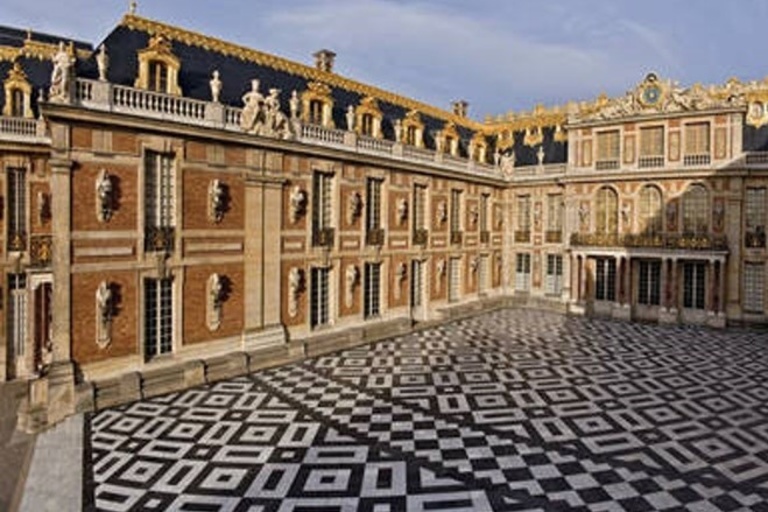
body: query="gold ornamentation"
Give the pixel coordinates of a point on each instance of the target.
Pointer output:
(152, 27)
(38, 50)
(317, 92)
(17, 81)
(368, 107)
(413, 129)
(159, 53)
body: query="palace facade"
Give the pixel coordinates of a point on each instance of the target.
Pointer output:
(177, 209)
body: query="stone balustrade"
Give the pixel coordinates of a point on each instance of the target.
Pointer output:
(103, 96)
(21, 129)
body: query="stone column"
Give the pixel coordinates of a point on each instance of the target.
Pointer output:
(722, 302)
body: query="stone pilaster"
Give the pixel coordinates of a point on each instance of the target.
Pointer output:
(263, 207)
(51, 398)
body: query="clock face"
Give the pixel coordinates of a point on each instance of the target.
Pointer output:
(651, 95)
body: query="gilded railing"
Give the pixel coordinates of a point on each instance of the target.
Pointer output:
(688, 241)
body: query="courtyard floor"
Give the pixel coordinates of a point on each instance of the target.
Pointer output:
(511, 410)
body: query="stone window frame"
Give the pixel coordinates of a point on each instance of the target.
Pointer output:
(412, 123)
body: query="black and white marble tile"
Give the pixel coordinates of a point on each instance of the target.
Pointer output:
(513, 410)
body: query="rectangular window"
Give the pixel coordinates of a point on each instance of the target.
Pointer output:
(649, 283)
(322, 208)
(419, 207)
(524, 213)
(318, 314)
(696, 144)
(523, 272)
(372, 290)
(17, 208)
(158, 76)
(455, 210)
(158, 317)
(651, 147)
(694, 280)
(159, 190)
(754, 287)
(417, 290)
(411, 135)
(17, 313)
(315, 112)
(373, 204)
(366, 126)
(554, 282)
(454, 276)
(17, 103)
(652, 141)
(555, 212)
(754, 210)
(608, 150)
(605, 279)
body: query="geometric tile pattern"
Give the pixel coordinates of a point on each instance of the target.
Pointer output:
(511, 410)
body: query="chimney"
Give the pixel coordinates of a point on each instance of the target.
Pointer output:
(460, 108)
(324, 60)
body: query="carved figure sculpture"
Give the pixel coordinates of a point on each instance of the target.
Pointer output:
(351, 277)
(508, 163)
(295, 283)
(442, 212)
(60, 77)
(294, 104)
(216, 201)
(104, 312)
(253, 101)
(540, 155)
(402, 210)
(440, 267)
(214, 299)
(298, 204)
(215, 85)
(354, 207)
(398, 130)
(400, 274)
(350, 115)
(102, 62)
(104, 196)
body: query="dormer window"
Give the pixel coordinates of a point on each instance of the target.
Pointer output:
(159, 67)
(18, 92)
(368, 118)
(317, 105)
(478, 148)
(413, 129)
(447, 140)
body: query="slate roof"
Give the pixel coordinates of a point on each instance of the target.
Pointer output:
(198, 63)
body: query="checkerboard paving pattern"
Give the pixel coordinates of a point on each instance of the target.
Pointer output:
(513, 410)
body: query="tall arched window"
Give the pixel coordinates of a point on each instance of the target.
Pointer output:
(696, 209)
(650, 210)
(607, 211)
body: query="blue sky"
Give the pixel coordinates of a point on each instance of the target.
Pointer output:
(499, 55)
